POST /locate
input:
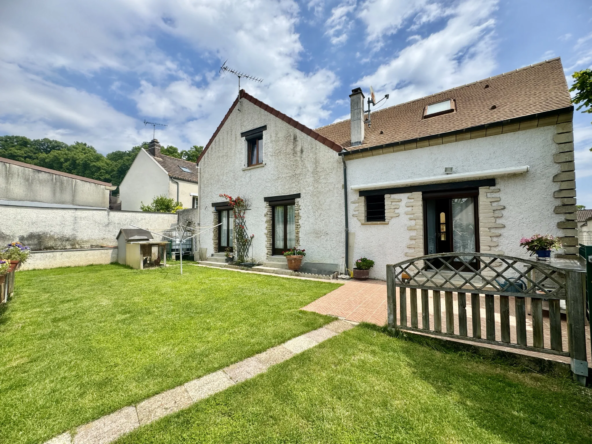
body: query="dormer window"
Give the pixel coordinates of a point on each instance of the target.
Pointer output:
(437, 109)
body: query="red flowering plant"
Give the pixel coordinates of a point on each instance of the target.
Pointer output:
(540, 242)
(295, 252)
(241, 236)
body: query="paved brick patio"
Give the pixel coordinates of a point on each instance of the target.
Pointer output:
(365, 301)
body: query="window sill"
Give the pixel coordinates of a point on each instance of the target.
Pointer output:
(252, 167)
(375, 223)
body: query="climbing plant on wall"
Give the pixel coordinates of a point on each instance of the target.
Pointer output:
(242, 240)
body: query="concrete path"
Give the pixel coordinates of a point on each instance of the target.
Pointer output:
(111, 427)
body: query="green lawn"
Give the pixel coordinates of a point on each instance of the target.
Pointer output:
(364, 386)
(79, 343)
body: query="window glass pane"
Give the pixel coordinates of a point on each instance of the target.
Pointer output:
(291, 226)
(438, 107)
(463, 224)
(253, 152)
(230, 228)
(431, 221)
(375, 209)
(224, 228)
(279, 227)
(260, 149)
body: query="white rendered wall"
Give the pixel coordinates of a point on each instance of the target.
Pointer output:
(58, 228)
(26, 184)
(69, 258)
(145, 180)
(528, 198)
(294, 163)
(185, 191)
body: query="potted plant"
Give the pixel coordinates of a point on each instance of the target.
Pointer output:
(4, 269)
(540, 245)
(294, 257)
(16, 253)
(362, 269)
(229, 256)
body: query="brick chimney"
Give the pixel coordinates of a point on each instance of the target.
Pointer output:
(154, 148)
(357, 116)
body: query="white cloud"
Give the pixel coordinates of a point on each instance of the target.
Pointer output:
(112, 38)
(461, 52)
(340, 22)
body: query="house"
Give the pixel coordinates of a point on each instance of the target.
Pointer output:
(473, 168)
(585, 227)
(23, 184)
(154, 174)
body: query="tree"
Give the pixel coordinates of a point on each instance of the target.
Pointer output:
(581, 207)
(192, 153)
(171, 151)
(583, 87)
(162, 204)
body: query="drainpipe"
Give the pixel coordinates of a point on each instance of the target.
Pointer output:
(198, 238)
(173, 180)
(346, 215)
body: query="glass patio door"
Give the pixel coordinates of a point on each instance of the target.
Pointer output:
(284, 228)
(225, 231)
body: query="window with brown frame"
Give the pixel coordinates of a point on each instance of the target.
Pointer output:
(439, 108)
(255, 151)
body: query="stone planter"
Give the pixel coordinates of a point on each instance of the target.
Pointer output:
(294, 262)
(361, 275)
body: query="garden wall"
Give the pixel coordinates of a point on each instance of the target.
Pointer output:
(68, 229)
(70, 258)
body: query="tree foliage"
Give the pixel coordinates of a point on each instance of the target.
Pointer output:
(162, 204)
(582, 86)
(80, 158)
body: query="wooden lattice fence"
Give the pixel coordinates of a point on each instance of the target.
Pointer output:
(485, 287)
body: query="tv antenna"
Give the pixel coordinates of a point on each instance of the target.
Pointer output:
(239, 74)
(372, 101)
(154, 125)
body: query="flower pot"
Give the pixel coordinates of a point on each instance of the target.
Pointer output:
(294, 262)
(361, 275)
(13, 266)
(229, 259)
(543, 255)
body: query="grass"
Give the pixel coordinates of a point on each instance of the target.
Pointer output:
(79, 343)
(365, 386)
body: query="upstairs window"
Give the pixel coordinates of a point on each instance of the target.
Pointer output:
(255, 151)
(436, 109)
(375, 209)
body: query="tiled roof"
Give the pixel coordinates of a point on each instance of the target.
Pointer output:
(527, 91)
(47, 170)
(172, 166)
(244, 95)
(584, 215)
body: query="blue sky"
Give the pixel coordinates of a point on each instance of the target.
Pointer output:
(93, 71)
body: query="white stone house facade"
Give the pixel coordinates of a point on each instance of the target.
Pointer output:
(298, 175)
(474, 168)
(154, 174)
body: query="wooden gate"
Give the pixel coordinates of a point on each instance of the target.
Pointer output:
(502, 296)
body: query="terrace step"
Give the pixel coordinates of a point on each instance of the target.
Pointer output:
(217, 259)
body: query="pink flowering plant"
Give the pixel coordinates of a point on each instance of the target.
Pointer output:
(540, 242)
(364, 263)
(295, 252)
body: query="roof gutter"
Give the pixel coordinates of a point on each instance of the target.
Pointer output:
(464, 130)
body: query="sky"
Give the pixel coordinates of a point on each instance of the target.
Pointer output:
(94, 71)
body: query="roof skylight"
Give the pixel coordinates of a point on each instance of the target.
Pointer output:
(187, 170)
(435, 109)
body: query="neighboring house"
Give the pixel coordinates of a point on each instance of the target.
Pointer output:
(474, 168)
(154, 174)
(585, 227)
(23, 184)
